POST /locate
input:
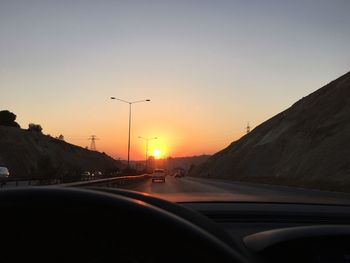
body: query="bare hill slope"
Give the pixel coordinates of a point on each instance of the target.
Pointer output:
(307, 144)
(28, 154)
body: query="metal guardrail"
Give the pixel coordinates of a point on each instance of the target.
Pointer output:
(86, 181)
(109, 182)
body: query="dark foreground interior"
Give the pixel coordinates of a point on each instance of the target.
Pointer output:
(113, 225)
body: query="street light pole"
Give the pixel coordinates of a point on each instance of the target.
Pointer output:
(147, 139)
(129, 136)
(129, 140)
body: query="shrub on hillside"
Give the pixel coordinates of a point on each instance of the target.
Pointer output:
(35, 127)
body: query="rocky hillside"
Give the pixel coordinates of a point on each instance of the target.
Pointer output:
(29, 153)
(307, 144)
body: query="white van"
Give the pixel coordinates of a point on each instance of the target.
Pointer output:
(4, 172)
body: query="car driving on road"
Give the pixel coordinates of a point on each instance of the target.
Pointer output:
(97, 174)
(4, 172)
(158, 175)
(86, 174)
(180, 173)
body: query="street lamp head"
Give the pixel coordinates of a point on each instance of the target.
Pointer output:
(112, 98)
(148, 100)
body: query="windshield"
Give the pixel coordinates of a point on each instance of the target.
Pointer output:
(234, 101)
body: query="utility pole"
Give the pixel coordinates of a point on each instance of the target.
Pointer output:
(93, 139)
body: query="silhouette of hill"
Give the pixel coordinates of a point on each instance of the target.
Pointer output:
(32, 154)
(305, 145)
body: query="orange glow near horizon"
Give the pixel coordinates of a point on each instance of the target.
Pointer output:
(170, 142)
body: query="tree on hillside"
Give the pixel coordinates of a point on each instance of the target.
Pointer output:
(35, 127)
(8, 118)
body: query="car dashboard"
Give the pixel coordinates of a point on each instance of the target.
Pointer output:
(280, 232)
(129, 224)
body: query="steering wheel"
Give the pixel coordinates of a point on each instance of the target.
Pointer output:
(92, 226)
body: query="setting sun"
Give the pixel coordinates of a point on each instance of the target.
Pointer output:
(156, 153)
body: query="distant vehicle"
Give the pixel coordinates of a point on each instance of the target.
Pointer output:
(97, 173)
(158, 175)
(179, 173)
(4, 172)
(86, 173)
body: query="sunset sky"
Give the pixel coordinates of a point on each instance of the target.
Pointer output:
(208, 67)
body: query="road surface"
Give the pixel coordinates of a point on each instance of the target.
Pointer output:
(203, 189)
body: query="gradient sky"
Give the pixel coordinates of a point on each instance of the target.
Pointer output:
(209, 67)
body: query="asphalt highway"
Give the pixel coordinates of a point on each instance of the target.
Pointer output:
(190, 189)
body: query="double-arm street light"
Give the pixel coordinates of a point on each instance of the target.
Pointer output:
(130, 103)
(147, 139)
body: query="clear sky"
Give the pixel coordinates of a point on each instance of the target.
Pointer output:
(209, 67)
